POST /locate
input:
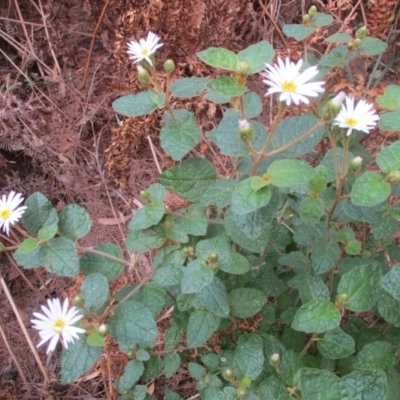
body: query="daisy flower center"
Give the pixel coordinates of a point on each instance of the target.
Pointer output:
(289, 87)
(145, 52)
(351, 122)
(58, 326)
(5, 214)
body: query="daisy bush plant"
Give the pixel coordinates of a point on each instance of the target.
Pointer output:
(280, 275)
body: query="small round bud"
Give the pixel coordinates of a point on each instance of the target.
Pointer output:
(241, 392)
(223, 359)
(78, 301)
(357, 43)
(306, 19)
(207, 379)
(361, 33)
(212, 257)
(103, 330)
(243, 68)
(246, 382)
(341, 300)
(130, 354)
(228, 374)
(332, 108)
(393, 177)
(246, 131)
(275, 360)
(356, 163)
(145, 196)
(312, 11)
(169, 66)
(143, 75)
(350, 45)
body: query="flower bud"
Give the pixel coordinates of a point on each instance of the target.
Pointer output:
(356, 163)
(243, 68)
(312, 11)
(357, 43)
(350, 45)
(245, 130)
(241, 392)
(130, 354)
(306, 19)
(228, 374)
(145, 196)
(341, 300)
(332, 108)
(212, 257)
(246, 382)
(78, 301)
(275, 360)
(361, 33)
(393, 177)
(169, 66)
(143, 75)
(103, 330)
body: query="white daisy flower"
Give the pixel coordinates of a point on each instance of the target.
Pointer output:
(285, 78)
(360, 118)
(143, 49)
(10, 213)
(57, 322)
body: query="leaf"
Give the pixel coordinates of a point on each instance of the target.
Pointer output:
(47, 232)
(252, 105)
(202, 325)
(139, 242)
(226, 86)
(390, 121)
(147, 216)
(257, 55)
(153, 368)
(74, 222)
(193, 222)
(219, 58)
(318, 384)
(133, 371)
(132, 324)
(246, 302)
(391, 98)
(248, 360)
(197, 371)
(91, 262)
(24, 257)
(219, 193)
(324, 254)
(189, 179)
(310, 286)
(390, 282)
(378, 355)
(95, 339)
(388, 159)
(388, 306)
(170, 395)
(180, 137)
(135, 105)
(216, 98)
(289, 366)
(168, 276)
(273, 388)
(60, 257)
(186, 88)
(78, 359)
(293, 128)
(321, 19)
(359, 285)
(196, 277)
(316, 316)
(334, 59)
(96, 293)
(311, 209)
(336, 344)
(328, 163)
(298, 31)
(214, 298)
(28, 246)
(284, 173)
(372, 46)
(39, 213)
(338, 38)
(171, 364)
(142, 355)
(246, 200)
(366, 385)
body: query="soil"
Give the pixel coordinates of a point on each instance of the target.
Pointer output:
(62, 64)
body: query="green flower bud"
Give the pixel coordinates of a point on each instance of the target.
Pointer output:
(275, 360)
(342, 300)
(356, 163)
(357, 43)
(228, 374)
(350, 45)
(212, 257)
(306, 19)
(103, 330)
(241, 392)
(243, 68)
(246, 131)
(130, 354)
(169, 66)
(246, 382)
(143, 75)
(361, 33)
(78, 301)
(145, 196)
(393, 177)
(332, 108)
(312, 11)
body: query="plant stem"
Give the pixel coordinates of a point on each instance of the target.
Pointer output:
(308, 345)
(102, 253)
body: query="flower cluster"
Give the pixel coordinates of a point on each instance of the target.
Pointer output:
(10, 213)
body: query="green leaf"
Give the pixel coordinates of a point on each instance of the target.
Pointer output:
(193, 222)
(321, 19)
(219, 193)
(390, 121)
(48, 232)
(338, 38)
(196, 277)
(142, 355)
(202, 325)
(388, 306)
(78, 359)
(26, 257)
(168, 276)
(157, 192)
(40, 213)
(112, 269)
(289, 366)
(133, 371)
(391, 98)
(144, 240)
(214, 298)
(153, 368)
(273, 388)
(366, 385)
(252, 105)
(180, 137)
(257, 55)
(186, 88)
(336, 344)
(132, 324)
(388, 159)
(174, 231)
(219, 57)
(318, 384)
(28, 246)
(369, 190)
(216, 98)
(197, 371)
(378, 355)
(135, 105)
(152, 296)
(248, 360)
(311, 209)
(310, 286)
(246, 302)
(60, 257)
(171, 364)
(390, 282)
(284, 173)
(246, 200)
(298, 31)
(226, 86)
(328, 163)
(95, 291)
(316, 316)
(372, 46)
(147, 216)
(334, 59)
(324, 254)
(95, 339)
(75, 222)
(359, 285)
(189, 179)
(170, 395)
